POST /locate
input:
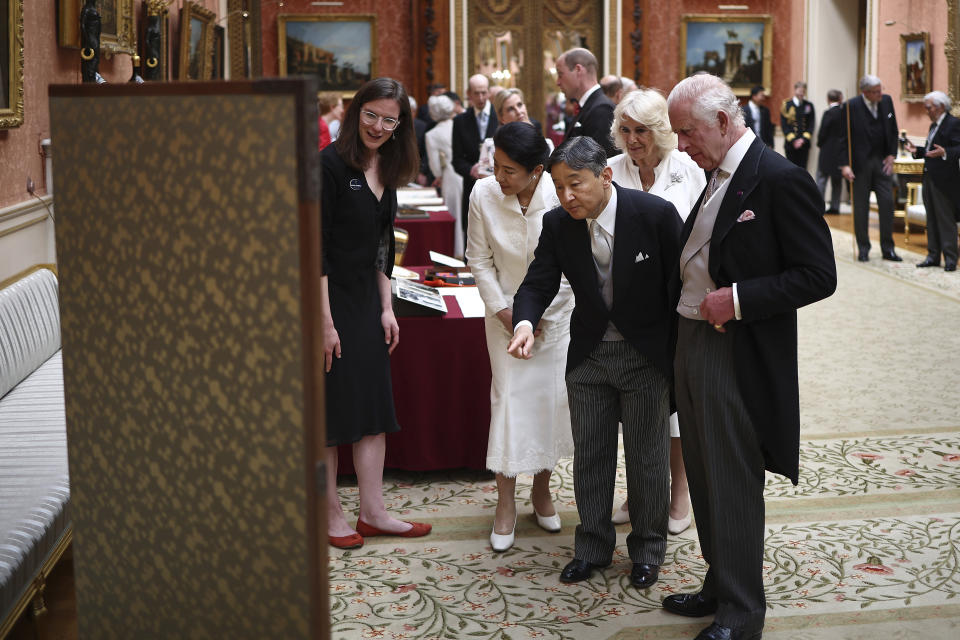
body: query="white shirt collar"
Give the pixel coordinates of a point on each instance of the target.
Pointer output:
(586, 94)
(796, 101)
(940, 119)
(739, 149)
(486, 109)
(754, 107)
(608, 217)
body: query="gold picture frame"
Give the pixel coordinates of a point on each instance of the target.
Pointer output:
(196, 42)
(243, 39)
(952, 49)
(332, 47)
(704, 47)
(11, 64)
(117, 34)
(915, 76)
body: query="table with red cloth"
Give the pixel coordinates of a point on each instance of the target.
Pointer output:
(434, 233)
(441, 391)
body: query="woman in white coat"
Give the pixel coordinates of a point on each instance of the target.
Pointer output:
(439, 141)
(652, 163)
(529, 415)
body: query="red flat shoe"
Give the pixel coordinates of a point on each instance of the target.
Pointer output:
(352, 541)
(416, 530)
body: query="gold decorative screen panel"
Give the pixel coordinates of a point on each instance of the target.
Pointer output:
(188, 248)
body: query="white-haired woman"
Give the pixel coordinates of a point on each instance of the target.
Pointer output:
(439, 141)
(652, 163)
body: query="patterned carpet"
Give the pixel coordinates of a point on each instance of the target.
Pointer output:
(868, 544)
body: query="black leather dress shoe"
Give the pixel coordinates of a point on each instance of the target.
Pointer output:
(863, 256)
(644, 575)
(693, 605)
(578, 570)
(719, 632)
(892, 257)
(928, 262)
(950, 266)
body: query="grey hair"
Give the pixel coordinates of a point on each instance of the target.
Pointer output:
(413, 103)
(939, 98)
(580, 152)
(649, 108)
(707, 95)
(868, 81)
(441, 108)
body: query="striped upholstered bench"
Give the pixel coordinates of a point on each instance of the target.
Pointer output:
(34, 483)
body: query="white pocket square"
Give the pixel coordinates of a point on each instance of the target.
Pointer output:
(577, 124)
(746, 215)
(640, 257)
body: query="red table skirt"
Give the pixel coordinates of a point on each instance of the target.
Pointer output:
(441, 391)
(427, 234)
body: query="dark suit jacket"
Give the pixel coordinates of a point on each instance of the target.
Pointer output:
(828, 140)
(797, 122)
(766, 125)
(781, 260)
(420, 128)
(944, 173)
(859, 135)
(466, 149)
(641, 309)
(594, 120)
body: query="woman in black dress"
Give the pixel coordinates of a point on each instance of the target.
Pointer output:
(375, 153)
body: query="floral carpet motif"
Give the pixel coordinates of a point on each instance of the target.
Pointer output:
(867, 545)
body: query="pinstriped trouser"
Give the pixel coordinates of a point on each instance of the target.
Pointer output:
(616, 383)
(725, 471)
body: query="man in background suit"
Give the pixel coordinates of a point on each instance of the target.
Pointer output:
(872, 145)
(828, 140)
(797, 121)
(618, 248)
(757, 117)
(755, 248)
(577, 78)
(470, 129)
(941, 181)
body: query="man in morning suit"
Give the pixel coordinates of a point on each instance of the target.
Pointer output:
(755, 248)
(941, 181)
(797, 121)
(872, 145)
(828, 140)
(577, 78)
(618, 249)
(757, 117)
(470, 129)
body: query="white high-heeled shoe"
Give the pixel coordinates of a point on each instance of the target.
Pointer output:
(502, 542)
(677, 527)
(550, 524)
(621, 515)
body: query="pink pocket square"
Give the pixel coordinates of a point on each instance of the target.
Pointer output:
(746, 215)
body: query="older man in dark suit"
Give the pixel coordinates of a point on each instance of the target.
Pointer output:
(755, 248)
(866, 159)
(618, 248)
(941, 181)
(470, 129)
(577, 78)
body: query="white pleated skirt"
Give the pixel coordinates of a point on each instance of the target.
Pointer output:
(529, 414)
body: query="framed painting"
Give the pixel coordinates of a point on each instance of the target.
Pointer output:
(117, 29)
(914, 66)
(339, 50)
(735, 48)
(196, 42)
(219, 38)
(11, 64)
(952, 49)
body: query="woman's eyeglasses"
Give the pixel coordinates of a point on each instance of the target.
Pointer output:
(369, 118)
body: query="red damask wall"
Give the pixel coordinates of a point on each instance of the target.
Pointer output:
(394, 33)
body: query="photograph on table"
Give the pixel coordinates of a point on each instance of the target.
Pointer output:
(915, 66)
(11, 64)
(340, 50)
(117, 27)
(196, 42)
(735, 48)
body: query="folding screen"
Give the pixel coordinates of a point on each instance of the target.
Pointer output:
(189, 260)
